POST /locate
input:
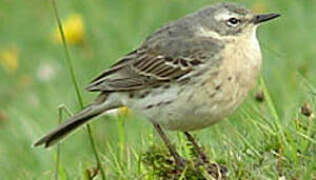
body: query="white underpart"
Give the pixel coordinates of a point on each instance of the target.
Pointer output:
(255, 42)
(208, 33)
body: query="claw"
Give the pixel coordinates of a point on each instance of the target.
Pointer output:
(217, 170)
(180, 162)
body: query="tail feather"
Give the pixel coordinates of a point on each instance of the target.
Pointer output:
(69, 126)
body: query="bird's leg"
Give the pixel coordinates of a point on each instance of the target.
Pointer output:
(213, 169)
(197, 148)
(179, 160)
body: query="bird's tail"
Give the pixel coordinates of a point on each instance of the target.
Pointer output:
(69, 126)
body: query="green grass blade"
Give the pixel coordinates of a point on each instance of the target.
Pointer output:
(60, 117)
(76, 84)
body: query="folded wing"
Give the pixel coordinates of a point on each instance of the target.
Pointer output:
(162, 62)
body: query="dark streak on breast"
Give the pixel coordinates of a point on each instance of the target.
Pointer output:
(149, 106)
(218, 87)
(144, 94)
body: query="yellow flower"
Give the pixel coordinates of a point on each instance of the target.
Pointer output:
(124, 111)
(9, 59)
(73, 30)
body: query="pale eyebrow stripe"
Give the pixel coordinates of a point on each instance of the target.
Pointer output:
(225, 15)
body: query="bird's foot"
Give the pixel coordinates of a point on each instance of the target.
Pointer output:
(180, 165)
(216, 170)
(180, 162)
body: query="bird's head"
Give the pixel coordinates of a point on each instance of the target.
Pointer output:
(230, 20)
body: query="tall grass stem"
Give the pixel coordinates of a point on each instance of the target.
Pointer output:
(60, 117)
(76, 85)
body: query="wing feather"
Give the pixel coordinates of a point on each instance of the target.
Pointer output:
(149, 66)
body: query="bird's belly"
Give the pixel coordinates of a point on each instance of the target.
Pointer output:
(188, 119)
(198, 113)
(182, 118)
(189, 110)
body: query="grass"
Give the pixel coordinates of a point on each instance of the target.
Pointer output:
(262, 140)
(79, 97)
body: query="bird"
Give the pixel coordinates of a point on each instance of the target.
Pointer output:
(186, 76)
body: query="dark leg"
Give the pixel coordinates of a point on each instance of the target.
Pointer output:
(179, 160)
(215, 169)
(197, 148)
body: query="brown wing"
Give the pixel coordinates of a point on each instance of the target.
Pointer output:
(158, 64)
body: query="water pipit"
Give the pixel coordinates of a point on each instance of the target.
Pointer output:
(188, 75)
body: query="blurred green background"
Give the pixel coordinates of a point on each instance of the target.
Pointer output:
(34, 81)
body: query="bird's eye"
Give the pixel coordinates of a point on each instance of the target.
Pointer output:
(233, 22)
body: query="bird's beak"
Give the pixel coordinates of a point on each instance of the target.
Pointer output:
(264, 17)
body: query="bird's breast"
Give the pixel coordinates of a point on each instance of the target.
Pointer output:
(242, 59)
(225, 91)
